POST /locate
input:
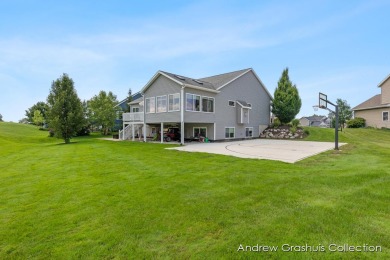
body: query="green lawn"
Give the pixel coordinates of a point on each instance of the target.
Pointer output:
(101, 199)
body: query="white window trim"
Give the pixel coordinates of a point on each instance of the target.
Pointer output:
(234, 132)
(146, 107)
(201, 103)
(174, 110)
(193, 130)
(166, 104)
(250, 127)
(387, 116)
(234, 103)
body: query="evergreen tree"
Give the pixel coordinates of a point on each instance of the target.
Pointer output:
(286, 103)
(65, 113)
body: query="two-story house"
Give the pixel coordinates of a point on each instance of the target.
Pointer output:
(376, 109)
(234, 105)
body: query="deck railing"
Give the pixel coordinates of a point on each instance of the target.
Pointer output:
(133, 117)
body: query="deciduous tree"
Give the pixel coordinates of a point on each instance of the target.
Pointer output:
(41, 106)
(103, 110)
(38, 118)
(65, 115)
(286, 103)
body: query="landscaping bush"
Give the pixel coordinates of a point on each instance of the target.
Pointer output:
(277, 123)
(357, 122)
(295, 122)
(306, 131)
(293, 129)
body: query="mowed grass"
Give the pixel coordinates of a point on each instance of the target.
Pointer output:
(101, 199)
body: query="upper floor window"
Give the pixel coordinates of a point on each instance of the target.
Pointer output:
(193, 102)
(207, 104)
(150, 105)
(385, 116)
(161, 104)
(174, 102)
(135, 109)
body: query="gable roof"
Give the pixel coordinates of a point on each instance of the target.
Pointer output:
(211, 84)
(373, 102)
(182, 81)
(243, 104)
(134, 96)
(315, 118)
(190, 81)
(221, 80)
(383, 81)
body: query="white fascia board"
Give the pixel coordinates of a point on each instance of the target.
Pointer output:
(243, 105)
(383, 81)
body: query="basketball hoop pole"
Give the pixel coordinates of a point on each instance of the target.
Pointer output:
(336, 129)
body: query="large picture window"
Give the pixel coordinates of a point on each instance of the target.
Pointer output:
(161, 104)
(207, 104)
(174, 102)
(385, 116)
(193, 102)
(150, 105)
(229, 132)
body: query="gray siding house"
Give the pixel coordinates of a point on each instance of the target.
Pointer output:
(234, 105)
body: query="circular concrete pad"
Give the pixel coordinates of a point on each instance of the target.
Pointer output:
(281, 150)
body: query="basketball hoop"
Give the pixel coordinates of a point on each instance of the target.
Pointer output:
(315, 107)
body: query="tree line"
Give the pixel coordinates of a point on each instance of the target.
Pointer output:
(66, 116)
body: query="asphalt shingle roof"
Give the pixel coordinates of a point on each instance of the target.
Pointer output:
(190, 81)
(375, 101)
(219, 80)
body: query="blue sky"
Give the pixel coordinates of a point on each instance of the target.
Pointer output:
(340, 48)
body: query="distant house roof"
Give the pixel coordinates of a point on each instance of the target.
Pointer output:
(315, 118)
(124, 101)
(372, 103)
(136, 101)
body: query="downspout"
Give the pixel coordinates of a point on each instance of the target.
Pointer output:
(182, 115)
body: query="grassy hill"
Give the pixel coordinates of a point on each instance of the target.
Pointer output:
(101, 199)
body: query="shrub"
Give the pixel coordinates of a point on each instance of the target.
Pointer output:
(293, 129)
(306, 131)
(276, 123)
(295, 122)
(357, 122)
(51, 132)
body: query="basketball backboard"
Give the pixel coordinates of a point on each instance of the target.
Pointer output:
(322, 100)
